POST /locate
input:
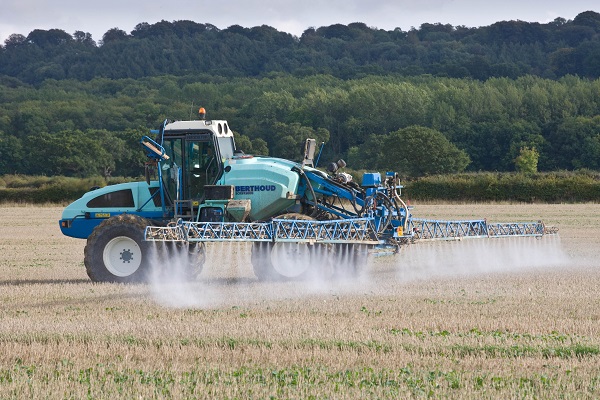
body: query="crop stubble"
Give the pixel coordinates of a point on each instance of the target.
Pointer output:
(529, 333)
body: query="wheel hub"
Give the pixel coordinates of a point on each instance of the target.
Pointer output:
(122, 256)
(126, 255)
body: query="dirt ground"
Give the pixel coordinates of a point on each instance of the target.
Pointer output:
(33, 247)
(483, 319)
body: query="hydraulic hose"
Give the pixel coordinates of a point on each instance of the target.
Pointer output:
(397, 198)
(388, 204)
(300, 172)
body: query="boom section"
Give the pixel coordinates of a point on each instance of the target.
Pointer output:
(359, 230)
(423, 229)
(350, 231)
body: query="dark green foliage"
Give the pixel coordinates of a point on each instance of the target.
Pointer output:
(578, 142)
(590, 19)
(73, 107)
(289, 139)
(257, 146)
(543, 188)
(93, 128)
(503, 49)
(419, 151)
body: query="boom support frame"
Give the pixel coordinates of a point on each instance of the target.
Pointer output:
(349, 231)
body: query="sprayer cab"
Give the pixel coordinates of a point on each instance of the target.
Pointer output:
(203, 177)
(188, 156)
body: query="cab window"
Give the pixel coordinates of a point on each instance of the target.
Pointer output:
(118, 199)
(202, 167)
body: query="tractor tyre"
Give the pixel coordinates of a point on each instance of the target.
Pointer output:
(196, 260)
(117, 252)
(282, 261)
(180, 261)
(261, 262)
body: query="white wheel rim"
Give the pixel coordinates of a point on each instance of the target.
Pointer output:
(290, 259)
(122, 256)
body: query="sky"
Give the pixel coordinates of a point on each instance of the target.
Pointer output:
(293, 16)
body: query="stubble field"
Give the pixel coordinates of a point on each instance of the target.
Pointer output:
(485, 319)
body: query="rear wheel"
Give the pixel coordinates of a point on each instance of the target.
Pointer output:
(281, 260)
(284, 260)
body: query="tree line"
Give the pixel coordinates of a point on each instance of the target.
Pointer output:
(504, 49)
(416, 125)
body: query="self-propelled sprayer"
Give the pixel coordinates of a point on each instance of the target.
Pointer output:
(207, 190)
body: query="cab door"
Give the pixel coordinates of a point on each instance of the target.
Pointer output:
(171, 168)
(202, 166)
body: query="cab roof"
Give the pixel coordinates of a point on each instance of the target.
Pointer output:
(219, 127)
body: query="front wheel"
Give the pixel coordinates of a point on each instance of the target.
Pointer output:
(117, 252)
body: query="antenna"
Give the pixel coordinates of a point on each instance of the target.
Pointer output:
(191, 109)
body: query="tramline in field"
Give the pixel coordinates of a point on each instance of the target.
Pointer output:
(207, 190)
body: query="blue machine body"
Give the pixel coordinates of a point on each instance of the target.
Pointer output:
(81, 217)
(202, 177)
